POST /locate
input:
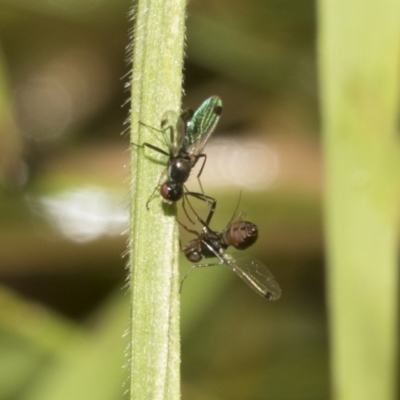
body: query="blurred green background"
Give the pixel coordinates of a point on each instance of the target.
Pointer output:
(64, 201)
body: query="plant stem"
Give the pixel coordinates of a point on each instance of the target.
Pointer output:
(359, 59)
(154, 275)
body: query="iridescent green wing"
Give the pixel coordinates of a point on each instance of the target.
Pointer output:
(202, 125)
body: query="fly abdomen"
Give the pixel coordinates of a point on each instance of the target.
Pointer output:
(240, 234)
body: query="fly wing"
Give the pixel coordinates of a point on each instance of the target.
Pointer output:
(202, 125)
(173, 131)
(255, 274)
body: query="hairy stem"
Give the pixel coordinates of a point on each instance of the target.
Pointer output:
(154, 276)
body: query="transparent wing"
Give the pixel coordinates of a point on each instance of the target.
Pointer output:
(173, 131)
(255, 274)
(202, 125)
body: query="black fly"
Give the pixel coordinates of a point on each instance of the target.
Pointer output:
(185, 137)
(239, 234)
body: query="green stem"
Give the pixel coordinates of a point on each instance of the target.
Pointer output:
(359, 60)
(156, 88)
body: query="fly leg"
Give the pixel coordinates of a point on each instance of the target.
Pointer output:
(193, 268)
(162, 177)
(204, 157)
(150, 146)
(211, 202)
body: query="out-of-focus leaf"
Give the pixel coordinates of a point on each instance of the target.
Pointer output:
(93, 366)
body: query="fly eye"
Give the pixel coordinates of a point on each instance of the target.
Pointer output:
(194, 256)
(171, 191)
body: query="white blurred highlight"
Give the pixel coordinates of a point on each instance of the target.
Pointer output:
(85, 214)
(250, 164)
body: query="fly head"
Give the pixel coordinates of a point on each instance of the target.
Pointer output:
(171, 191)
(192, 251)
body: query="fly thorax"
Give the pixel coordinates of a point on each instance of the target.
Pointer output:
(179, 169)
(212, 245)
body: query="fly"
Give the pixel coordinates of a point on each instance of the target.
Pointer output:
(239, 234)
(185, 137)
